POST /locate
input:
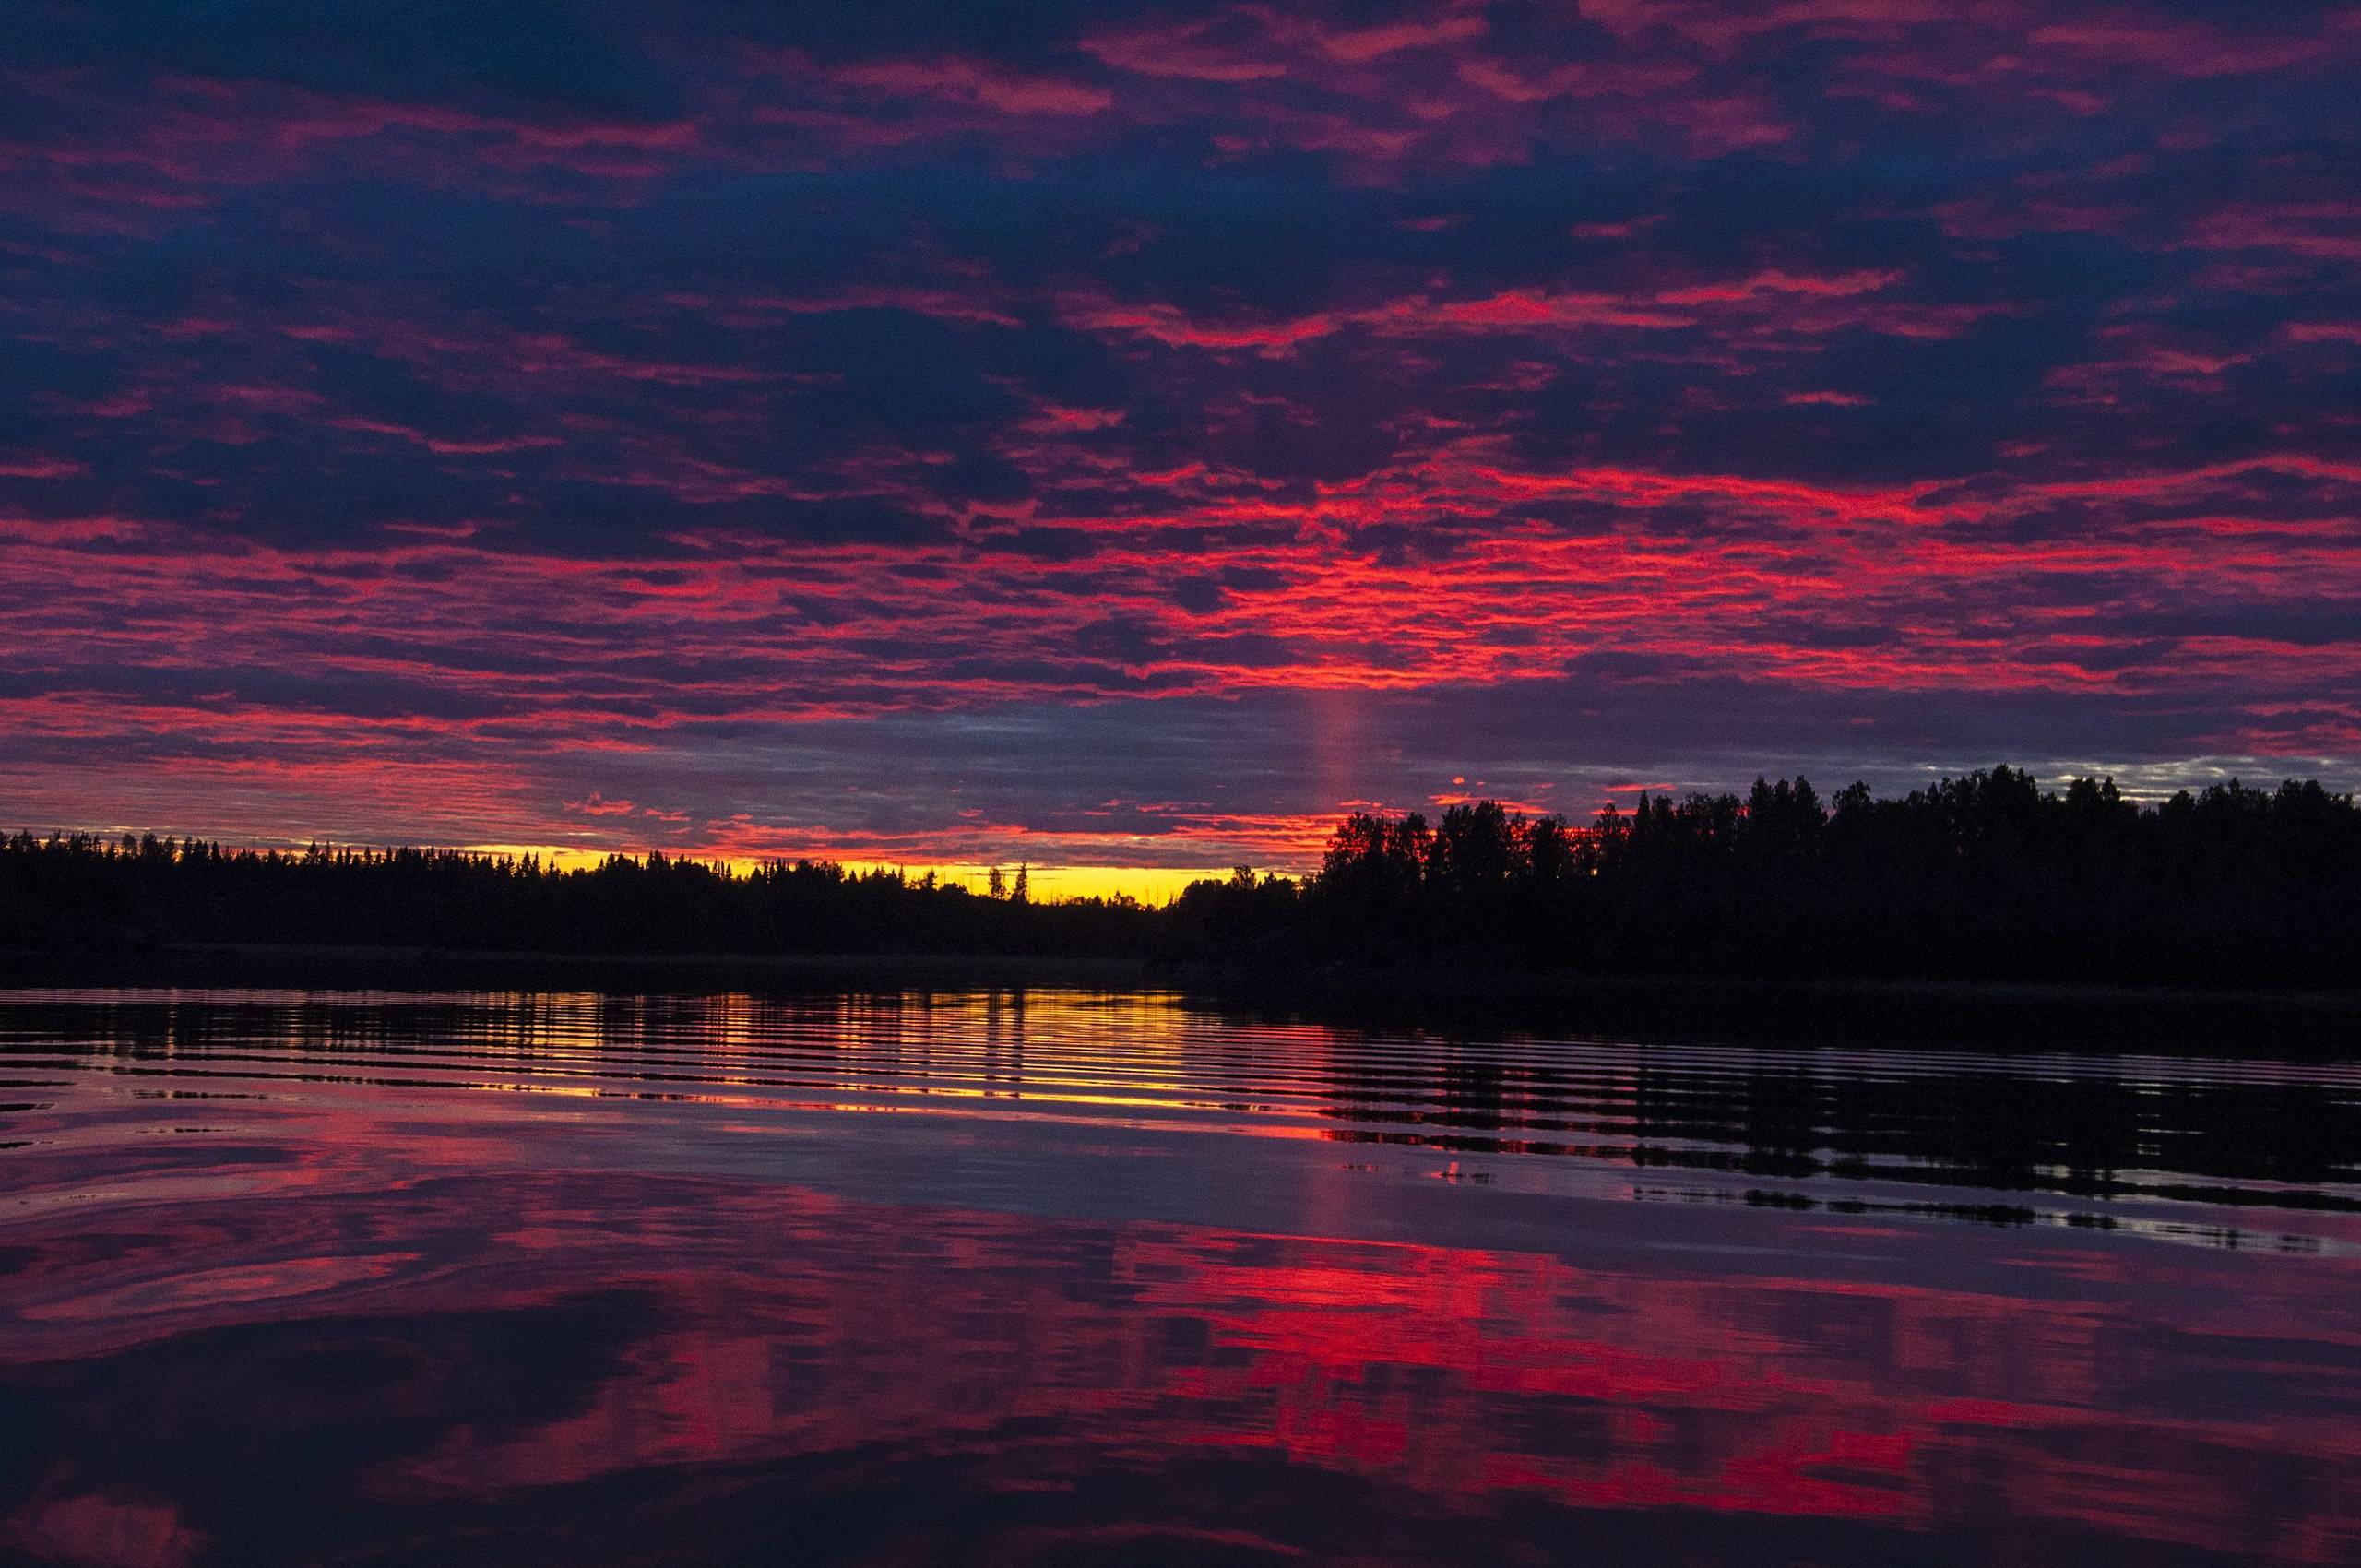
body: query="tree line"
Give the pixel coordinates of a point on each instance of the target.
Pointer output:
(94, 892)
(1982, 877)
(1986, 877)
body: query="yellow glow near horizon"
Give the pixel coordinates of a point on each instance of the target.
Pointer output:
(1149, 884)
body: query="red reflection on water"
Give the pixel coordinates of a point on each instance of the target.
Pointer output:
(688, 1328)
(295, 1284)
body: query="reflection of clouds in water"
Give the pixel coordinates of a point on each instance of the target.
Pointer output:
(380, 1297)
(237, 1285)
(578, 1338)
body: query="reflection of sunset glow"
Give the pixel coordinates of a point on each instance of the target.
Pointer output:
(781, 1322)
(2178, 1158)
(563, 1250)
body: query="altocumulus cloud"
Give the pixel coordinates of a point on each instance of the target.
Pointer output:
(1128, 433)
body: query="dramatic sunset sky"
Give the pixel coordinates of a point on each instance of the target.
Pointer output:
(1126, 436)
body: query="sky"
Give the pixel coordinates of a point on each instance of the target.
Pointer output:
(1129, 435)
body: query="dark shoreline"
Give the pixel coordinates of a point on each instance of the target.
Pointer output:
(433, 969)
(1992, 1015)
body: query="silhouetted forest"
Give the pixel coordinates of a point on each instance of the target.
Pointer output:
(1981, 877)
(74, 890)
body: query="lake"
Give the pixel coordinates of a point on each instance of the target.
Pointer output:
(1058, 1278)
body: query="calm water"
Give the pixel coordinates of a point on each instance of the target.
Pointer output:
(1058, 1278)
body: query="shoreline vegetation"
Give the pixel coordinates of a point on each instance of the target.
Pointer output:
(1984, 881)
(1986, 1016)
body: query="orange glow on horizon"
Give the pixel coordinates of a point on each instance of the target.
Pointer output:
(1046, 883)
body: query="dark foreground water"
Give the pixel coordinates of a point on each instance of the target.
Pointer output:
(295, 1277)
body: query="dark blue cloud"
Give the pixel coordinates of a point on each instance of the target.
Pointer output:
(1210, 396)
